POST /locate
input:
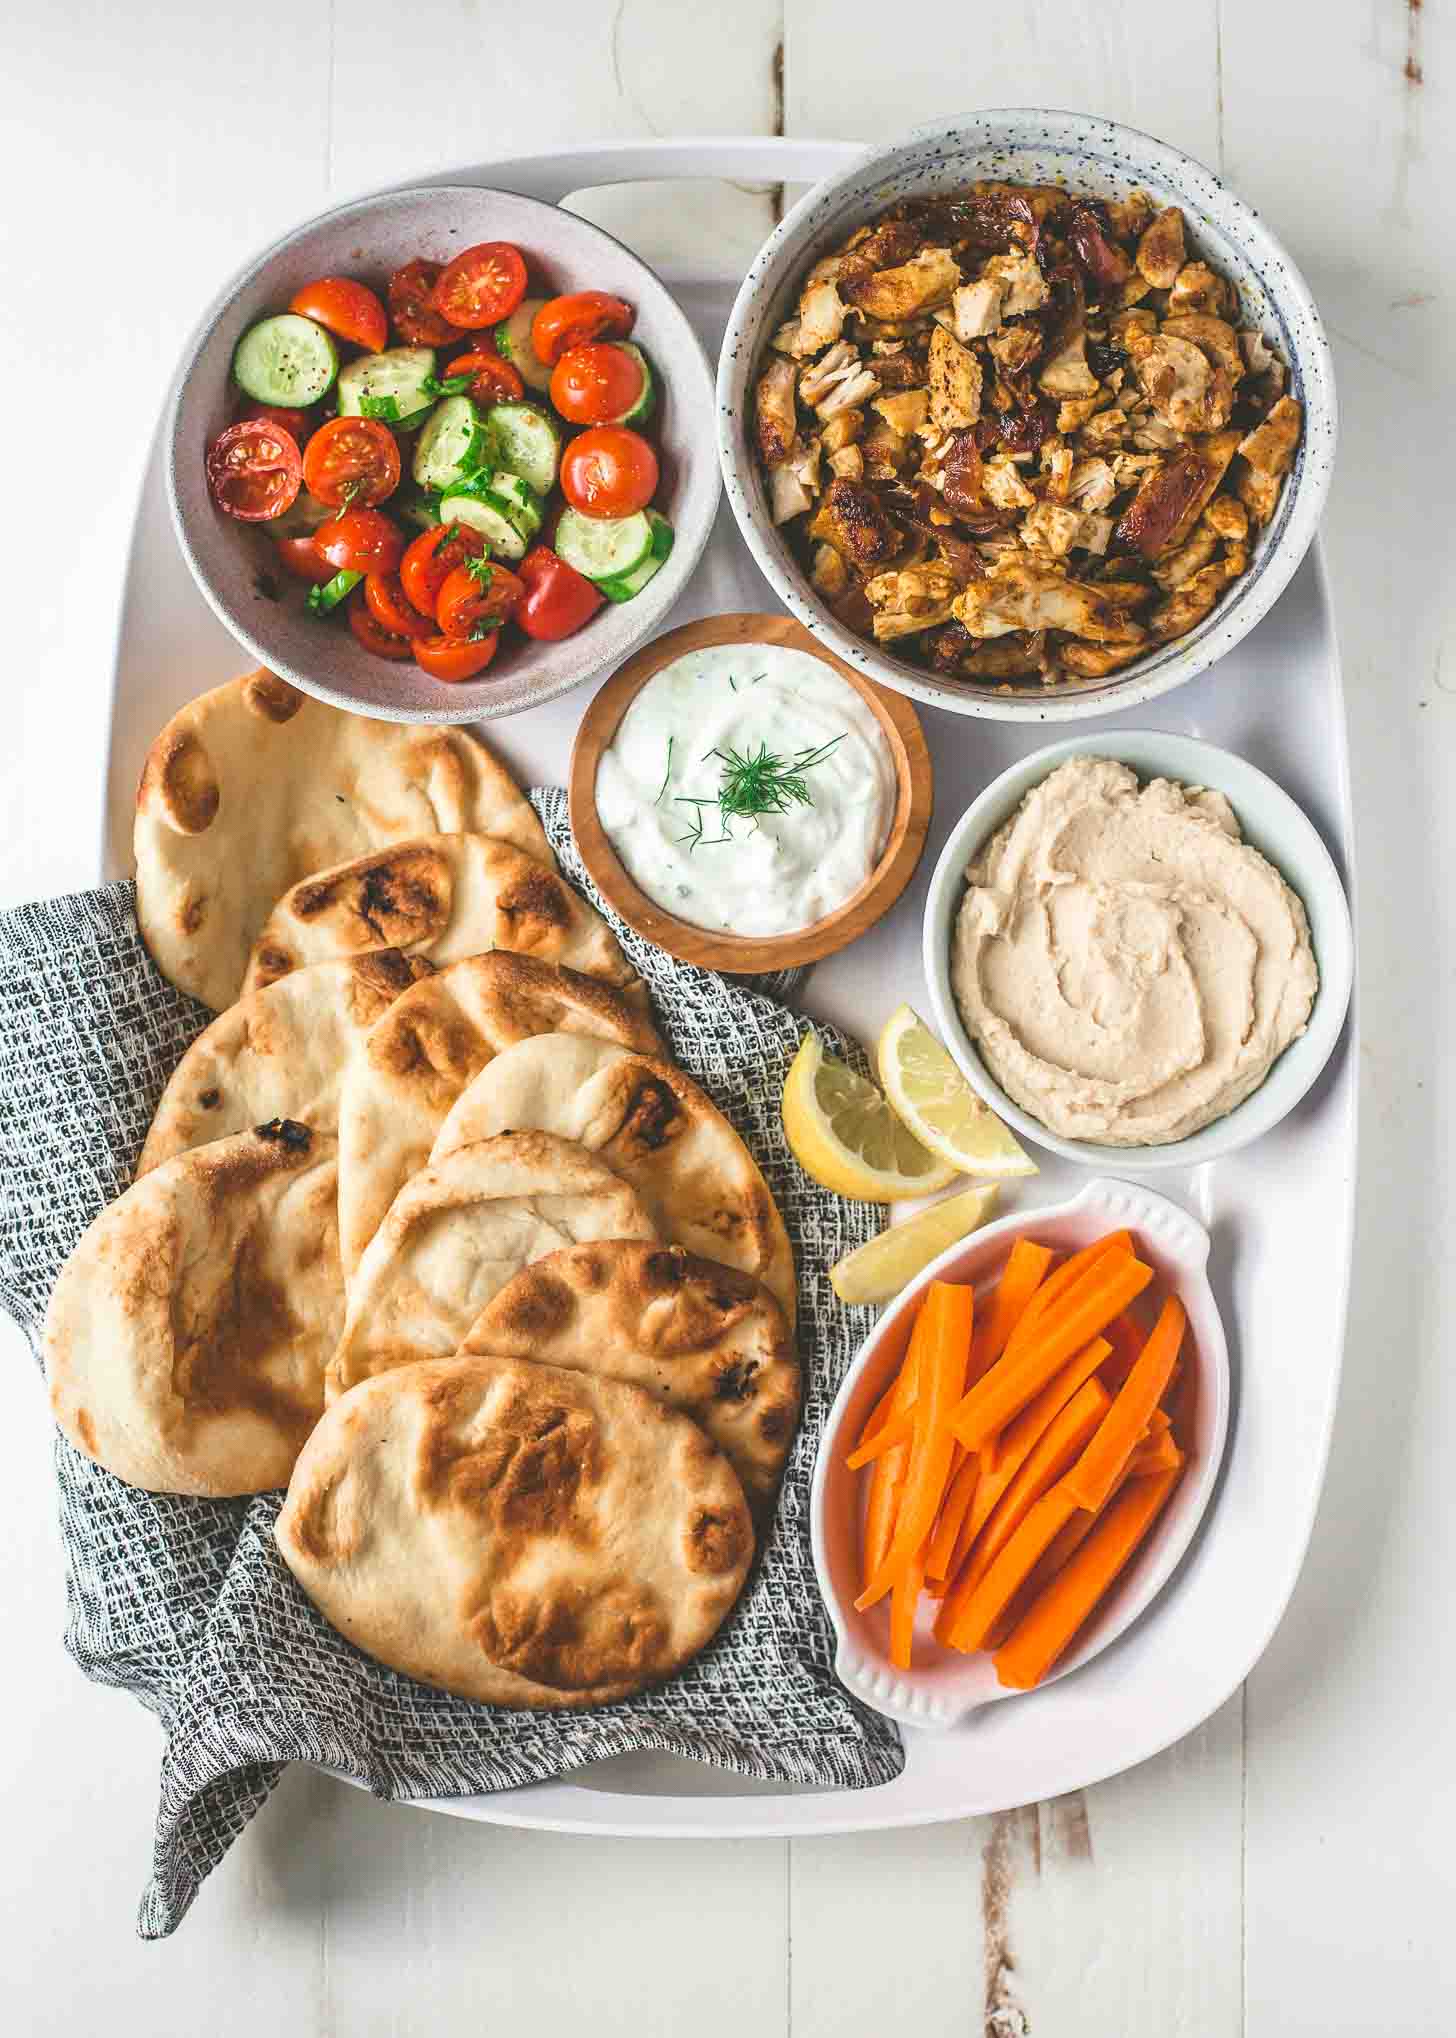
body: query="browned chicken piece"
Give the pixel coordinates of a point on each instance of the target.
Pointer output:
(793, 486)
(975, 308)
(822, 312)
(905, 409)
(1002, 485)
(837, 381)
(1131, 595)
(1126, 328)
(1214, 338)
(1229, 518)
(892, 241)
(1174, 568)
(926, 280)
(1136, 288)
(776, 420)
(954, 376)
(1055, 528)
(1105, 431)
(1129, 216)
(1091, 484)
(897, 367)
(914, 599)
(1267, 453)
(1056, 465)
(1197, 288)
(829, 572)
(1160, 251)
(855, 522)
(1188, 392)
(1172, 496)
(842, 430)
(1096, 661)
(853, 610)
(848, 462)
(1190, 603)
(1071, 416)
(1023, 286)
(1021, 595)
(1015, 347)
(1262, 365)
(954, 651)
(886, 452)
(1066, 374)
(786, 340)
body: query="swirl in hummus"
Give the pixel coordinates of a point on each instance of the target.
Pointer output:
(1129, 966)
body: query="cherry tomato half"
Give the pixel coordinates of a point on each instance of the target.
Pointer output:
(481, 593)
(351, 460)
(492, 379)
(303, 559)
(592, 384)
(571, 321)
(415, 317)
(383, 643)
(608, 472)
(360, 541)
(446, 658)
(392, 608)
(558, 599)
(481, 285)
(346, 308)
(255, 470)
(297, 423)
(432, 557)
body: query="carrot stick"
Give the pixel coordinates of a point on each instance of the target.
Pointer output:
(1085, 1310)
(1159, 1454)
(903, 1602)
(958, 1497)
(887, 1481)
(1126, 1341)
(898, 1430)
(884, 1409)
(947, 1314)
(1051, 1290)
(1020, 1278)
(1053, 1620)
(994, 1593)
(1093, 1476)
(1060, 1445)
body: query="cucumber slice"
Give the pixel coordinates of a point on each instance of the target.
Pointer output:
(638, 413)
(524, 440)
(489, 519)
(603, 548)
(286, 360)
(451, 445)
(390, 384)
(622, 586)
(513, 344)
(507, 492)
(331, 592)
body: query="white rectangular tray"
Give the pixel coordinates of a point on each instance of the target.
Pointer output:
(1280, 1213)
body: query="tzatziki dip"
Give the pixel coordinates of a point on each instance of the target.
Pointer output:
(748, 789)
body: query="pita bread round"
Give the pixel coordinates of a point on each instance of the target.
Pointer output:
(457, 1233)
(420, 1055)
(254, 785)
(514, 1533)
(279, 1053)
(440, 896)
(188, 1333)
(710, 1342)
(654, 1127)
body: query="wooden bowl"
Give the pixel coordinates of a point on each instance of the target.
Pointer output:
(737, 954)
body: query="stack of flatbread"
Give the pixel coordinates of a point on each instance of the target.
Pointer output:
(428, 1228)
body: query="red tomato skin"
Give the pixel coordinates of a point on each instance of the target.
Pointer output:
(558, 600)
(349, 309)
(299, 424)
(382, 643)
(302, 558)
(481, 286)
(360, 541)
(392, 609)
(592, 384)
(465, 601)
(351, 460)
(254, 470)
(431, 558)
(443, 658)
(609, 471)
(573, 320)
(415, 318)
(492, 379)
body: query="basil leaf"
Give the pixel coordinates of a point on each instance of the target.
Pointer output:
(386, 408)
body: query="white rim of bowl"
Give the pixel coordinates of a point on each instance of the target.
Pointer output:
(1334, 953)
(1229, 623)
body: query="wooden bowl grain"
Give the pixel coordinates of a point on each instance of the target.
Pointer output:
(740, 955)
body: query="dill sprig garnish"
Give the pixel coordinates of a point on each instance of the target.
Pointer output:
(755, 783)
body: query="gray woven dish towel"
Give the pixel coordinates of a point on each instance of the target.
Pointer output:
(185, 1602)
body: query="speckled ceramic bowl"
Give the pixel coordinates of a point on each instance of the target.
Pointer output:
(1100, 156)
(369, 239)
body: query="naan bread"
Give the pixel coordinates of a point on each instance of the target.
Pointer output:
(278, 1053)
(709, 1342)
(188, 1333)
(443, 897)
(252, 786)
(419, 1057)
(654, 1127)
(516, 1534)
(457, 1233)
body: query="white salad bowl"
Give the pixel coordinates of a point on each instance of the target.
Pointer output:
(943, 1686)
(1031, 145)
(1271, 821)
(232, 562)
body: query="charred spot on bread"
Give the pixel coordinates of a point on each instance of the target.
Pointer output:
(286, 1132)
(270, 697)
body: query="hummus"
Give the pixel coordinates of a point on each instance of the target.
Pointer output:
(1128, 966)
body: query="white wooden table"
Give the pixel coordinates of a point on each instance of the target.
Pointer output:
(1289, 1869)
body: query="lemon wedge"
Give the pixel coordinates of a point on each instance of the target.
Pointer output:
(878, 1271)
(845, 1135)
(939, 1106)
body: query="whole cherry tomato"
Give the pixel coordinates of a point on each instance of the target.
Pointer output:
(351, 460)
(492, 379)
(447, 658)
(392, 609)
(255, 470)
(558, 599)
(302, 558)
(477, 597)
(432, 557)
(571, 321)
(416, 320)
(383, 643)
(609, 471)
(590, 385)
(360, 541)
(483, 284)
(347, 308)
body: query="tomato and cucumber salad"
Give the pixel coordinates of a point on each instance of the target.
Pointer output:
(448, 457)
